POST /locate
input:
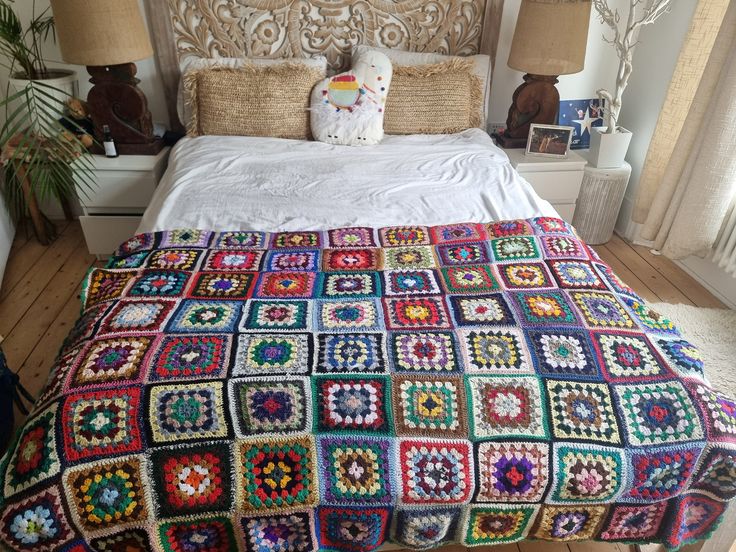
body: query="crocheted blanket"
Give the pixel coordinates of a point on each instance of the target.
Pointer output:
(471, 383)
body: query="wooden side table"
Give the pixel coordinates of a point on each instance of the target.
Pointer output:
(601, 195)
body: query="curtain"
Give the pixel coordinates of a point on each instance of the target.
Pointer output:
(689, 178)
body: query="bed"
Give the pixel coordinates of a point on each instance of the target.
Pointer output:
(312, 347)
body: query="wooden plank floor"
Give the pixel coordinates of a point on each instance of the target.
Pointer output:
(39, 302)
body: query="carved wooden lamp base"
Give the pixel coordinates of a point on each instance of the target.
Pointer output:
(116, 101)
(535, 101)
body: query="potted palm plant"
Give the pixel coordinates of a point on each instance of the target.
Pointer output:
(609, 144)
(42, 160)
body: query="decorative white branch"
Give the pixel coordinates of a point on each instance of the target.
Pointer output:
(624, 40)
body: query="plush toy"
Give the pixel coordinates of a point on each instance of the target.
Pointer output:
(77, 120)
(347, 109)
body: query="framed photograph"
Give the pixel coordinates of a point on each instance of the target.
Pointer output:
(549, 140)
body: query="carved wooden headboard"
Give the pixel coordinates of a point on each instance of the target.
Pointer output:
(301, 28)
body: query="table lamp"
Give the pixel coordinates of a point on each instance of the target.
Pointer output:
(549, 40)
(108, 36)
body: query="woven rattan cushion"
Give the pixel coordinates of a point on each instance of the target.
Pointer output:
(434, 99)
(252, 100)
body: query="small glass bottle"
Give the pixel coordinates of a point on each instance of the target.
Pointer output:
(109, 143)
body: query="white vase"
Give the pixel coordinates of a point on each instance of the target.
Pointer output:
(608, 151)
(64, 81)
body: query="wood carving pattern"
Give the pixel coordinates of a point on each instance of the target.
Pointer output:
(297, 28)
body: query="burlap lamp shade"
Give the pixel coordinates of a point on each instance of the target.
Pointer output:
(550, 40)
(101, 32)
(550, 37)
(108, 36)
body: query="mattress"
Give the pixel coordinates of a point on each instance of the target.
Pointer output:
(479, 383)
(270, 184)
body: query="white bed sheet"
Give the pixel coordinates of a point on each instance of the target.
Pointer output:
(270, 184)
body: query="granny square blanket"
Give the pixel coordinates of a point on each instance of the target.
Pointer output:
(471, 383)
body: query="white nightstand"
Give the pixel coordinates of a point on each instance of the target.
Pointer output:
(556, 180)
(112, 210)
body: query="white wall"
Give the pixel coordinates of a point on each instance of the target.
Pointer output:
(601, 64)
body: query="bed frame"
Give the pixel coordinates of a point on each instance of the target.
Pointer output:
(303, 28)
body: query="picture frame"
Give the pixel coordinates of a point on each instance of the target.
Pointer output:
(549, 140)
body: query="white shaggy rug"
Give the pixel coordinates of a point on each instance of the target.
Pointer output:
(713, 331)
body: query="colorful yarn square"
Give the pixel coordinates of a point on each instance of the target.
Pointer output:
(525, 276)
(410, 282)
(133, 260)
(352, 353)
(352, 259)
(457, 233)
(277, 474)
(430, 406)
(576, 275)
(352, 404)
(417, 352)
(568, 523)
(133, 540)
(112, 360)
(353, 529)
(512, 472)
(682, 356)
(293, 261)
(497, 524)
(655, 413)
(506, 406)
(213, 534)
(137, 316)
(602, 310)
(481, 310)
(159, 283)
(469, 279)
(349, 316)
(186, 238)
(201, 316)
(277, 353)
(105, 285)
(420, 256)
(349, 285)
(716, 473)
(630, 523)
(232, 260)
(351, 237)
(180, 259)
(271, 405)
(692, 518)
(582, 411)
(187, 411)
(191, 356)
(426, 528)
(108, 494)
(101, 423)
(277, 316)
(356, 470)
(550, 225)
(192, 480)
(34, 458)
(505, 228)
(464, 254)
(428, 313)
(659, 474)
(515, 248)
(295, 240)
(563, 353)
(719, 413)
(293, 532)
(587, 474)
(499, 351)
(396, 236)
(37, 523)
(435, 472)
(222, 285)
(241, 240)
(286, 285)
(562, 247)
(649, 319)
(544, 308)
(628, 357)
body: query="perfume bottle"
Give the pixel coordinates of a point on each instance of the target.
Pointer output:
(108, 142)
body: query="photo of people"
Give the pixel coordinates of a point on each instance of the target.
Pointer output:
(549, 140)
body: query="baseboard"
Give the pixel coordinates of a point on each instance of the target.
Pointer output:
(712, 277)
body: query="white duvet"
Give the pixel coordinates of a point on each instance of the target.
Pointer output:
(270, 184)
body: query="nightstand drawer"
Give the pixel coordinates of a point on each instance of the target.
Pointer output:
(121, 189)
(104, 234)
(557, 186)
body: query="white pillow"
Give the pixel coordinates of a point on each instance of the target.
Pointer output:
(348, 109)
(192, 64)
(482, 66)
